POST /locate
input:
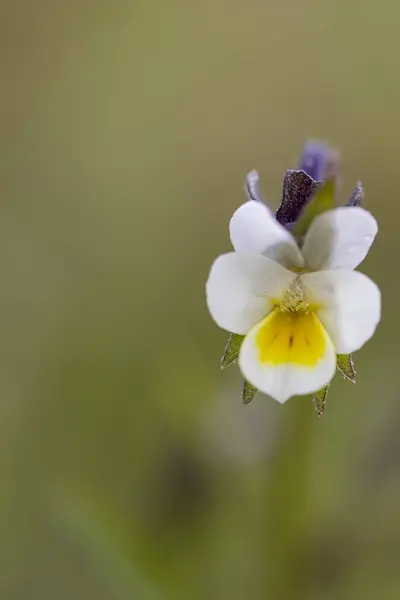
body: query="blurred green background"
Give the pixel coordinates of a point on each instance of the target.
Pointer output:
(129, 467)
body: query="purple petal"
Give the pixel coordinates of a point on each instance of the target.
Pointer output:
(319, 160)
(298, 187)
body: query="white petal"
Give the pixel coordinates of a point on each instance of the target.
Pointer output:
(339, 239)
(240, 288)
(348, 304)
(253, 228)
(288, 354)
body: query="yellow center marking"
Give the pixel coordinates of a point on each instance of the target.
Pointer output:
(290, 336)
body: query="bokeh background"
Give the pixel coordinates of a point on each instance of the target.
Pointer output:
(129, 467)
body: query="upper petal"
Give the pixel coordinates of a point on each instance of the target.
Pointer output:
(339, 239)
(253, 228)
(288, 354)
(241, 289)
(348, 304)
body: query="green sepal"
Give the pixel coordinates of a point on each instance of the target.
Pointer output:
(323, 199)
(248, 392)
(345, 365)
(356, 196)
(319, 400)
(232, 350)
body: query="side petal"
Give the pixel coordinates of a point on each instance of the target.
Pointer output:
(339, 239)
(288, 354)
(241, 289)
(348, 304)
(253, 228)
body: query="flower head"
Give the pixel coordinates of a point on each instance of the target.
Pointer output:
(297, 304)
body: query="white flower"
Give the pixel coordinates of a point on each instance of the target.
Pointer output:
(298, 308)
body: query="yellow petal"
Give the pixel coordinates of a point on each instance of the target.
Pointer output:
(295, 337)
(287, 354)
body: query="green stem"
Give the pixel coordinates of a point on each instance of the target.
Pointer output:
(288, 502)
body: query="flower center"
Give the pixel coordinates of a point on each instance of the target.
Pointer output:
(292, 333)
(295, 298)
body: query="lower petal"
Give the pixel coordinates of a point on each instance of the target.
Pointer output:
(287, 354)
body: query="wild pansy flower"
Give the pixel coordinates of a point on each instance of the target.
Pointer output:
(289, 290)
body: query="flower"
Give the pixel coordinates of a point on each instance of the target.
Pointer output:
(297, 307)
